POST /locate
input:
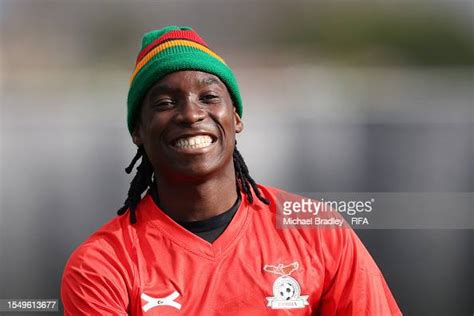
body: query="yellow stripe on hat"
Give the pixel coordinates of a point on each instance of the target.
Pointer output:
(167, 45)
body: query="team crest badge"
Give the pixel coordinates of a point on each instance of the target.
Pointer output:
(286, 290)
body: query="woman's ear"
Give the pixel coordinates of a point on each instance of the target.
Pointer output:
(238, 124)
(136, 136)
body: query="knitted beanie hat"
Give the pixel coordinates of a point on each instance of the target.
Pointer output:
(171, 49)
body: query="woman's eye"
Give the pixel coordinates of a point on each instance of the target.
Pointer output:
(163, 103)
(210, 97)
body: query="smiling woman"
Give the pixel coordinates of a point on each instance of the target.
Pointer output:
(198, 243)
(167, 105)
(184, 111)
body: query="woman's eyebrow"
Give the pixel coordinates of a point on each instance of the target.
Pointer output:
(209, 81)
(160, 88)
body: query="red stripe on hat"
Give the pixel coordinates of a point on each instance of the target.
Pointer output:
(178, 34)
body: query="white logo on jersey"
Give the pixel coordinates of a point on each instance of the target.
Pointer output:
(154, 302)
(286, 290)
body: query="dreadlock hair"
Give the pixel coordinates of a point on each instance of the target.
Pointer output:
(144, 179)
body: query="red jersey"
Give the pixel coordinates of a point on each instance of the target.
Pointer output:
(157, 267)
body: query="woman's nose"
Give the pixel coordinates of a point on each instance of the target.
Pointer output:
(190, 111)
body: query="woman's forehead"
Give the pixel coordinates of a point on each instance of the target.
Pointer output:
(183, 80)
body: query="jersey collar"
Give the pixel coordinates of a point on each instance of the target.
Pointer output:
(189, 241)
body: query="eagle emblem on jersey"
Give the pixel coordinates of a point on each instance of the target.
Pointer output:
(286, 290)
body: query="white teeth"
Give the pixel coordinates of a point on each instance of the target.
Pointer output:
(194, 142)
